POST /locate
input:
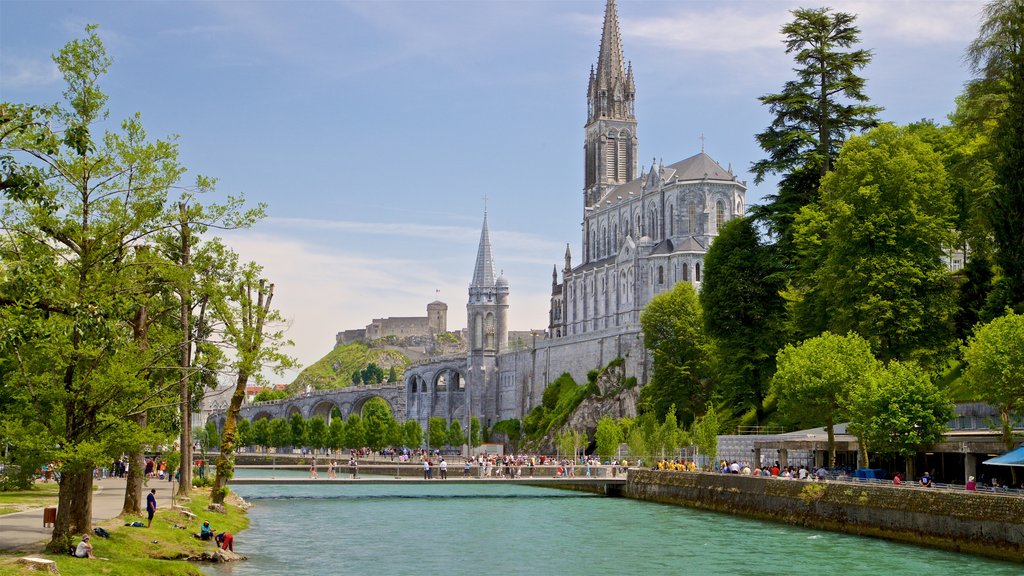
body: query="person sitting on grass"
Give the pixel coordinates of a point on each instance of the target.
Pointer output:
(205, 531)
(84, 549)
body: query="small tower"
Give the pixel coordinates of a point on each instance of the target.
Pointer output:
(487, 321)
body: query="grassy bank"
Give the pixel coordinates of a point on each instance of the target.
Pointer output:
(39, 495)
(157, 551)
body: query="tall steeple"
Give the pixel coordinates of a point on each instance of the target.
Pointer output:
(483, 274)
(611, 145)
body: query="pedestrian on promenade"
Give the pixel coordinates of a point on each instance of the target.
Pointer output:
(151, 506)
(426, 469)
(971, 486)
(353, 467)
(444, 469)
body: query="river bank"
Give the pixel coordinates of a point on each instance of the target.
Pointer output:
(980, 523)
(162, 550)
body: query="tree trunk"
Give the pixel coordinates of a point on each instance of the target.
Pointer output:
(184, 360)
(862, 447)
(226, 458)
(136, 475)
(74, 510)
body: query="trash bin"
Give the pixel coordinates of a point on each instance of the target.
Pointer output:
(49, 516)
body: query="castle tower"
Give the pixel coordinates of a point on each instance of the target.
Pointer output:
(610, 146)
(437, 317)
(487, 321)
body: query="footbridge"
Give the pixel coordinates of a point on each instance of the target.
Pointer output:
(606, 486)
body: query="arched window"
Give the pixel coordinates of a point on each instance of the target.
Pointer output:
(661, 274)
(671, 221)
(458, 381)
(489, 331)
(719, 215)
(442, 382)
(696, 271)
(691, 218)
(686, 272)
(478, 331)
(412, 383)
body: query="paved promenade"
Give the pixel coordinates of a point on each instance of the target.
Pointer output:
(24, 531)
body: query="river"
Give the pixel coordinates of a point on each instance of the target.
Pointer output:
(503, 529)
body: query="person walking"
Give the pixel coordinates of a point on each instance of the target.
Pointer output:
(444, 469)
(151, 506)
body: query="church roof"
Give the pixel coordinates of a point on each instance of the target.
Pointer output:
(697, 167)
(483, 273)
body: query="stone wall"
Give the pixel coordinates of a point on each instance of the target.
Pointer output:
(977, 523)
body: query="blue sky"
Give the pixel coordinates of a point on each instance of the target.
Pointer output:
(374, 129)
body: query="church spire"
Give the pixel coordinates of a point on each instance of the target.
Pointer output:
(483, 274)
(610, 148)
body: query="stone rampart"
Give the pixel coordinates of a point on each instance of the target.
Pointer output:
(972, 522)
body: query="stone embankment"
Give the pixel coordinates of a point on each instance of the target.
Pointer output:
(981, 523)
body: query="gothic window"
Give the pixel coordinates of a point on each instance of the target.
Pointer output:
(610, 163)
(661, 274)
(719, 215)
(615, 237)
(622, 153)
(489, 331)
(696, 272)
(412, 383)
(691, 214)
(686, 272)
(639, 226)
(652, 225)
(671, 221)
(478, 331)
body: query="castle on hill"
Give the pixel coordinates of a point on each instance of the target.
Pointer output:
(642, 233)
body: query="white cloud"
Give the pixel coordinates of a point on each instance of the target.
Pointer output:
(27, 73)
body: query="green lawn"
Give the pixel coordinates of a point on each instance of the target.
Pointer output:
(40, 495)
(155, 551)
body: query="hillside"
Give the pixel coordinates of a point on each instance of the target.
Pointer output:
(335, 369)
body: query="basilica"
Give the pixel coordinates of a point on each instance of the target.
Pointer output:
(642, 233)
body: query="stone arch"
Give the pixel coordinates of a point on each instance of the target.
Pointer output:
(441, 381)
(357, 405)
(262, 415)
(293, 409)
(323, 408)
(218, 420)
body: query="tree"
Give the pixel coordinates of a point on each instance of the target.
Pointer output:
(456, 436)
(412, 434)
(392, 375)
(279, 433)
(245, 434)
(744, 312)
(995, 368)
(813, 115)
(298, 427)
(673, 333)
(212, 436)
(437, 431)
(608, 438)
(357, 378)
(902, 412)
(874, 246)
(80, 210)
(336, 433)
(244, 307)
(377, 418)
(997, 57)
(814, 380)
(261, 433)
(570, 441)
(704, 433)
(316, 432)
(474, 432)
(355, 432)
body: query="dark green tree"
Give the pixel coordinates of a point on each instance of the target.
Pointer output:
(280, 433)
(297, 426)
(357, 377)
(744, 312)
(412, 434)
(336, 433)
(456, 436)
(873, 247)
(813, 115)
(316, 432)
(261, 434)
(997, 57)
(377, 419)
(244, 432)
(437, 432)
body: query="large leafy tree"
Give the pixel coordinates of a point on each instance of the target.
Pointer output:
(873, 245)
(355, 431)
(437, 431)
(816, 379)
(412, 434)
(674, 335)
(813, 114)
(995, 368)
(244, 306)
(997, 56)
(744, 312)
(377, 418)
(900, 412)
(81, 208)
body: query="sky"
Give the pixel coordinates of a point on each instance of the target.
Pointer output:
(374, 130)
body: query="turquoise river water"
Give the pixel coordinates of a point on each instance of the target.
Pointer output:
(508, 530)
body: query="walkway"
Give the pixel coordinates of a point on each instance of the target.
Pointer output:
(24, 531)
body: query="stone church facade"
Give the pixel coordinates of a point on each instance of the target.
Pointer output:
(643, 232)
